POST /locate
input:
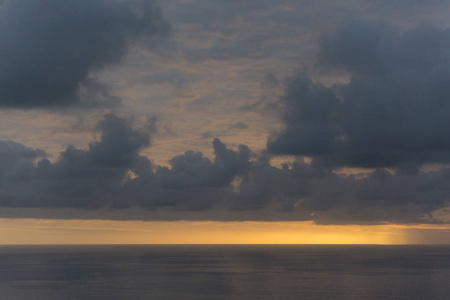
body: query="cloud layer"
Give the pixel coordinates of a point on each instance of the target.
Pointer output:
(111, 174)
(394, 112)
(390, 118)
(49, 48)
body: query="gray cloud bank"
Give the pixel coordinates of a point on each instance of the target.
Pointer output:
(48, 48)
(394, 112)
(112, 175)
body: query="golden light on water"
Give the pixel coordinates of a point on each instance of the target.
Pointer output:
(33, 231)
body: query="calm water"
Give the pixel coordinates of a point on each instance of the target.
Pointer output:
(224, 272)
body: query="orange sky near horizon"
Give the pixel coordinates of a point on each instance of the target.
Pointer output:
(38, 231)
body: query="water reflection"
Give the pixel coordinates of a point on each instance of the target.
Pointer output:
(224, 272)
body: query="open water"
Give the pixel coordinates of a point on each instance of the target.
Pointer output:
(224, 272)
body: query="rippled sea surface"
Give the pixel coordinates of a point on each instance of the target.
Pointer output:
(224, 272)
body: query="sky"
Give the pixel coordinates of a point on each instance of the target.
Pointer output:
(208, 121)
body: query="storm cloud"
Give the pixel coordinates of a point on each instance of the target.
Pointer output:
(301, 191)
(111, 174)
(394, 111)
(79, 178)
(49, 48)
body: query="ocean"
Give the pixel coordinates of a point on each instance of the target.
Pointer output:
(224, 272)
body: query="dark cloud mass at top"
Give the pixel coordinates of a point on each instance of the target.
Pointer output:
(394, 112)
(48, 47)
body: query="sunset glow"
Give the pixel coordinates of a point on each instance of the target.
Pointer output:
(32, 231)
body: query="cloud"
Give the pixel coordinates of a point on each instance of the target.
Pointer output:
(80, 178)
(112, 176)
(16, 160)
(112, 173)
(398, 197)
(192, 182)
(394, 112)
(301, 191)
(49, 48)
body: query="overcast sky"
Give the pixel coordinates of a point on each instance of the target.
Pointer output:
(336, 112)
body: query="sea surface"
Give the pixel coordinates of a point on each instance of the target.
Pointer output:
(224, 272)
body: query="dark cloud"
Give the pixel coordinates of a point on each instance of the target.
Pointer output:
(309, 117)
(193, 181)
(112, 173)
(112, 176)
(16, 161)
(384, 196)
(80, 178)
(301, 191)
(395, 110)
(48, 48)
